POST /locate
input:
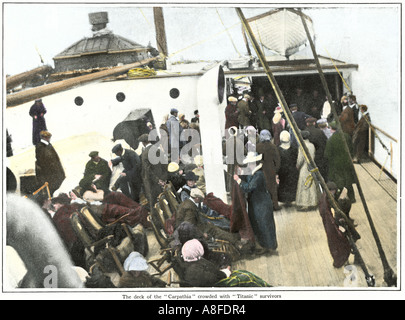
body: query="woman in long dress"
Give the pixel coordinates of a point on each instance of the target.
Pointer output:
(307, 197)
(288, 172)
(260, 205)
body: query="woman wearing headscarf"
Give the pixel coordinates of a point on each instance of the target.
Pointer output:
(307, 197)
(260, 205)
(288, 172)
(271, 164)
(194, 270)
(136, 275)
(251, 139)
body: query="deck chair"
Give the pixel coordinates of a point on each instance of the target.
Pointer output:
(163, 240)
(95, 225)
(40, 194)
(90, 244)
(122, 243)
(172, 197)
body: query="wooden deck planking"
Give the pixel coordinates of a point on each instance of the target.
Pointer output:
(303, 258)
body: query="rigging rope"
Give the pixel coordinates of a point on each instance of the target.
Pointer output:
(229, 35)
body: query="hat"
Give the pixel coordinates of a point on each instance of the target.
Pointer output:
(305, 134)
(144, 138)
(135, 262)
(265, 135)
(195, 111)
(285, 136)
(195, 192)
(293, 106)
(278, 109)
(333, 125)
(191, 176)
(363, 107)
(38, 100)
(192, 250)
(246, 96)
(322, 120)
(93, 154)
(252, 157)
(310, 120)
(116, 148)
(232, 99)
(173, 167)
(174, 110)
(45, 134)
(199, 160)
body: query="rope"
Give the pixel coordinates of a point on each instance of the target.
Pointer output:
(310, 178)
(333, 62)
(141, 72)
(229, 35)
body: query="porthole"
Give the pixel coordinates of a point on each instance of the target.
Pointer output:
(120, 96)
(79, 101)
(174, 93)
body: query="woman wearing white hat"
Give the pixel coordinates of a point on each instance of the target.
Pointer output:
(136, 275)
(260, 205)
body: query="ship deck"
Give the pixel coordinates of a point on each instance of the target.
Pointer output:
(303, 258)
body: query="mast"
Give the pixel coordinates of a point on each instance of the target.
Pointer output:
(160, 30)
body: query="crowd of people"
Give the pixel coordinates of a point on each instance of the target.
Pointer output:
(273, 173)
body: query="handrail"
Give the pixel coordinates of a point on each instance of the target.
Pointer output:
(385, 133)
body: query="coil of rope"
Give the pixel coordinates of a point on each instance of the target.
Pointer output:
(141, 72)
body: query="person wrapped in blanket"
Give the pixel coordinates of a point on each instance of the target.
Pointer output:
(195, 270)
(206, 213)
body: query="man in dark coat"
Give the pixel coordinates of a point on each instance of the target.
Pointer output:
(318, 139)
(231, 113)
(154, 176)
(271, 164)
(130, 180)
(346, 119)
(48, 166)
(315, 104)
(37, 112)
(360, 134)
(97, 174)
(300, 118)
(265, 113)
(244, 111)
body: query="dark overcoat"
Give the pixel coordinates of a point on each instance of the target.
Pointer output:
(151, 174)
(271, 165)
(48, 167)
(37, 112)
(132, 168)
(288, 174)
(91, 170)
(260, 209)
(340, 164)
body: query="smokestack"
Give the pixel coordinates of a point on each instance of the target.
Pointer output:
(98, 20)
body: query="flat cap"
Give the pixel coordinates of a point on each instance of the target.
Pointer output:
(117, 148)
